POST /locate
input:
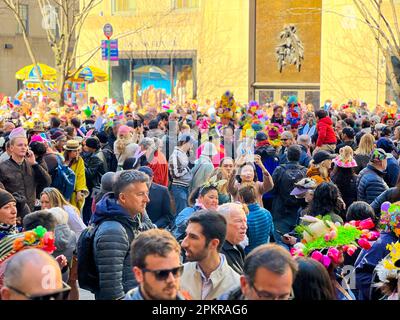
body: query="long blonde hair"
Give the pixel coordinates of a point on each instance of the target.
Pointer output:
(56, 199)
(123, 141)
(323, 167)
(367, 145)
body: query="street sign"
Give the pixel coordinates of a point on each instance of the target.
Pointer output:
(113, 45)
(108, 30)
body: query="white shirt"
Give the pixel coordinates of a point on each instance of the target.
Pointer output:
(206, 282)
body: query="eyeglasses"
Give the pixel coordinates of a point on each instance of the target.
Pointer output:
(162, 275)
(58, 295)
(268, 296)
(284, 139)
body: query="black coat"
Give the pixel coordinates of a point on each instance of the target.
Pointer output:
(347, 188)
(234, 256)
(94, 170)
(159, 207)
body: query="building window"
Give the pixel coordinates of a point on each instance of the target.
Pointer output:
(23, 13)
(123, 6)
(186, 4)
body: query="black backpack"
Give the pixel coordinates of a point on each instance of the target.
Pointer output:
(111, 160)
(88, 274)
(289, 176)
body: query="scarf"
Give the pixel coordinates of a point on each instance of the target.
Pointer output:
(7, 229)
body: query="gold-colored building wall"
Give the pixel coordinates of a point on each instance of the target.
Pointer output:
(351, 65)
(272, 17)
(218, 31)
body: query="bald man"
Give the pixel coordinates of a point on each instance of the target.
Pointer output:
(33, 274)
(236, 228)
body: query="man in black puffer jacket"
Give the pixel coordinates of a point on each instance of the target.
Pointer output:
(94, 170)
(370, 183)
(120, 217)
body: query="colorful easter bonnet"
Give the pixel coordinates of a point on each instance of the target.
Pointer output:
(37, 238)
(390, 218)
(345, 158)
(388, 270)
(274, 131)
(226, 107)
(321, 238)
(293, 115)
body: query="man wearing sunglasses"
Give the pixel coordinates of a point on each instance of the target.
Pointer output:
(269, 273)
(33, 275)
(157, 267)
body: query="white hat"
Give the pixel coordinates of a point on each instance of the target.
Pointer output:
(209, 149)
(60, 215)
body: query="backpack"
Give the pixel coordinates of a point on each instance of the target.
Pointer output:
(88, 275)
(111, 160)
(63, 179)
(289, 176)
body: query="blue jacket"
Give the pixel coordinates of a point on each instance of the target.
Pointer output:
(392, 172)
(159, 207)
(368, 260)
(112, 248)
(260, 226)
(181, 221)
(389, 195)
(370, 184)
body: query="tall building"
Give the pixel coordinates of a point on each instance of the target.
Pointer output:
(188, 49)
(13, 52)
(260, 49)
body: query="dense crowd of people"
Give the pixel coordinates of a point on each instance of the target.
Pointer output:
(276, 202)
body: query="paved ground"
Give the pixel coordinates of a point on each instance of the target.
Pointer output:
(85, 295)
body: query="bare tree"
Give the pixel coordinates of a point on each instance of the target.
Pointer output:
(386, 31)
(62, 35)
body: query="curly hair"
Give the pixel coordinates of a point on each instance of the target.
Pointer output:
(326, 200)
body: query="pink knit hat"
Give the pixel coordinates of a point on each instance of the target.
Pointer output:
(124, 130)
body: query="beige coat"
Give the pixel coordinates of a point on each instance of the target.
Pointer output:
(223, 280)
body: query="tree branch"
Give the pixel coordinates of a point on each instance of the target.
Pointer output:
(396, 22)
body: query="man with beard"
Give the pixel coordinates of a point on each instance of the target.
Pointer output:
(208, 275)
(156, 265)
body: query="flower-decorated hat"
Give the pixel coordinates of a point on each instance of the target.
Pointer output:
(226, 107)
(38, 238)
(390, 218)
(274, 131)
(321, 238)
(345, 158)
(388, 270)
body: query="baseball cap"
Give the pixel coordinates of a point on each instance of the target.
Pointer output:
(378, 155)
(349, 132)
(302, 186)
(385, 144)
(261, 136)
(322, 155)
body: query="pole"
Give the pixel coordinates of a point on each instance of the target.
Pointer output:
(109, 68)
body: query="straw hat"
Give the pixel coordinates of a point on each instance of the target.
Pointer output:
(72, 145)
